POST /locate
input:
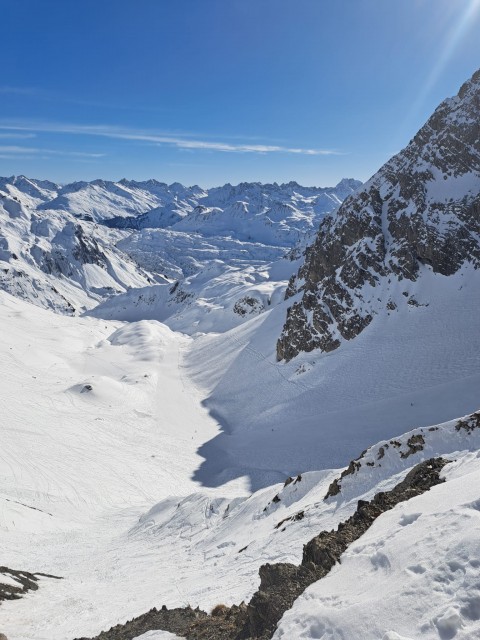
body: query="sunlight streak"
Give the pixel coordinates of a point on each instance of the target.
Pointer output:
(458, 30)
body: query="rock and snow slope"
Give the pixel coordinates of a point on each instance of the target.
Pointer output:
(145, 467)
(413, 575)
(96, 485)
(419, 213)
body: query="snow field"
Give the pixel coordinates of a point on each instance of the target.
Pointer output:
(413, 575)
(412, 367)
(97, 484)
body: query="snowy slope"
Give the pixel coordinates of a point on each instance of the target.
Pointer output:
(99, 424)
(412, 367)
(56, 261)
(97, 488)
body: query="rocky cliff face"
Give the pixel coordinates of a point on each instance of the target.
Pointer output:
(420, 211)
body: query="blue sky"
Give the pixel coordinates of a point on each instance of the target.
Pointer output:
(215, 91)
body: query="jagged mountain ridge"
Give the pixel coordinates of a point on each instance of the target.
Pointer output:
(420, 211)
(130, 204)
(62, 249)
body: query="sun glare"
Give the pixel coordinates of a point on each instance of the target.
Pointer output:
(464, 22)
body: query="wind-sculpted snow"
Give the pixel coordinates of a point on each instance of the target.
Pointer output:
(419, 212)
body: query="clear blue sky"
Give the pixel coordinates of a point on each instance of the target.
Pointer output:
(210, 91)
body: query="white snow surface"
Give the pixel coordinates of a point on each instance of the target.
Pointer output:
(414, 574)
(140, 464)
(101, 485)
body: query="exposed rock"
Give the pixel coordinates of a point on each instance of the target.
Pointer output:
(295, 518)
(469, 424)
(248, 306)
(177, 621)
(414, 444)
(24, 580)
(280, 584)
(421, 208)
(334, 488)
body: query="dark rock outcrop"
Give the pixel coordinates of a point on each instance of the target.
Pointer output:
(280, 584)
(24, 582)
(421, 209)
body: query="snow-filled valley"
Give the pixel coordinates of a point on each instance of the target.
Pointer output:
(98, 455)
(189, 378)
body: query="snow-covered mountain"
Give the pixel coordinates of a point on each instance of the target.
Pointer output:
(418, 215)
(268, 213)
(263, 212)
(57, 261)
(169, 469)
(61, 248)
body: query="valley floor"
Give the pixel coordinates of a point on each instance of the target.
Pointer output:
(106, 475)
(103, 426)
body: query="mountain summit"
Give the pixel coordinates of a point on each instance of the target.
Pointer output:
(420, 212)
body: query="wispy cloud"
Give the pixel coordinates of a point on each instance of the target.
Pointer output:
(6, 156)
(13, 151)
(17, 136)
(16, 149)
(178, 141)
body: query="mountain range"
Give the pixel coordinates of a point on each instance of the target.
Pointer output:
(246, 412)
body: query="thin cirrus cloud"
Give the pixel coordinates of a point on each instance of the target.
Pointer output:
(177, 141)
(9, 151)
(17, 136)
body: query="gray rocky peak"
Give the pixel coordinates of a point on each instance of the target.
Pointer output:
(420, 211)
